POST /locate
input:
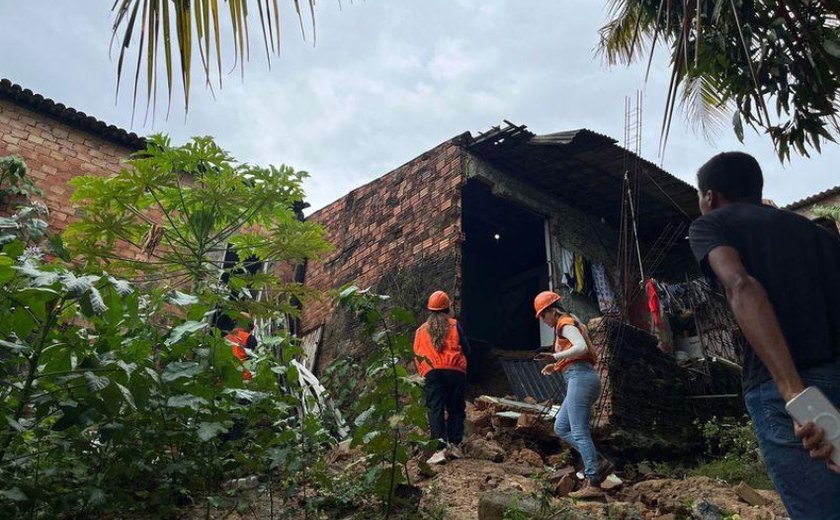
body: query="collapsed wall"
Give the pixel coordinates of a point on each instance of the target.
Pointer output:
(651, 397)
(399, 235)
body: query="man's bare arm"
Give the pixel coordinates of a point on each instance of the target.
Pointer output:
(757, 319)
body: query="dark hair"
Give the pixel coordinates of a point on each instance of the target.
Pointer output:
(558, 307)
(438, 323)
(735, 175)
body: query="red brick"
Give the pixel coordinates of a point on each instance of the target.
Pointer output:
(54, 153)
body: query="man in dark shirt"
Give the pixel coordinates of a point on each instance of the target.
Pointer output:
(781, 274)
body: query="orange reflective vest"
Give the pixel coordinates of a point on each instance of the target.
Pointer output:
(427, 357)
(238, 339)
(561, 343)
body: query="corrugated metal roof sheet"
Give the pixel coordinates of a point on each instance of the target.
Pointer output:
(586, 169)
(527, 381)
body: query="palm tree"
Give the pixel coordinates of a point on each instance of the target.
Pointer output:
(182, 26)
(774, 65)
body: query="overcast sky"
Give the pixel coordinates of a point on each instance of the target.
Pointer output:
(387, 80)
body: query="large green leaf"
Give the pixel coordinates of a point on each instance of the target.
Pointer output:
(186, 401)
(14, 494)
(210, 430)
(180, 369)
(184, 329)
(96, 383)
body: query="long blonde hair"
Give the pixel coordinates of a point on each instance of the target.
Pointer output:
(438, 324)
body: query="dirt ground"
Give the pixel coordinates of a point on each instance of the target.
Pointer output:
(522, 459)
(454, 493)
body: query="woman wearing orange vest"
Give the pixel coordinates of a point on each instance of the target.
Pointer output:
(440, 346)
(240, 342)
(574, 358)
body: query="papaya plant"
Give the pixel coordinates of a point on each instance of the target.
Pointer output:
(390, 417)
(118, 393)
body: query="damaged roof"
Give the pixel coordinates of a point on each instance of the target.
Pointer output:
(68, 115)
(586, 169)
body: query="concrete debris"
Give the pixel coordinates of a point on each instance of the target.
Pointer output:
(749, 495)
(495, 505)
(559, 460)
(529, 457)
(534, 425)
(508, 415)
(705, 510)
(623, 511)
(564, 486)
(502, 404)
(485, 449)
(560, 473)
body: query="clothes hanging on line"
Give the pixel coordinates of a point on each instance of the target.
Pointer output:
(566, 264)
(579, 274)
(660, 327)
(603, 289)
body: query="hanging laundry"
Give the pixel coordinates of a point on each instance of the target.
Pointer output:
(606, 296)
(588, 280)
(566, 264)
(653, 303)
(660, 327)
(579, 274)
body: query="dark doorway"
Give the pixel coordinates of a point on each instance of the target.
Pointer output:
(504, 267)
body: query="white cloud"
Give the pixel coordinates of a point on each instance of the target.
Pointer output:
(388, 80)
(451, 61)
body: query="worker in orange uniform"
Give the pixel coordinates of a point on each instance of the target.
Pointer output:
(574, 358)
(440, 348)
(241, 342)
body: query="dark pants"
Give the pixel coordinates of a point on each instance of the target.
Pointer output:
(444, 390)
(809, 490)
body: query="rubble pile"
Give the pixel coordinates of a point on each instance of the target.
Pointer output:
(513, 460)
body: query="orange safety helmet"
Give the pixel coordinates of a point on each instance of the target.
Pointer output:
(439, 301)
(544, 300)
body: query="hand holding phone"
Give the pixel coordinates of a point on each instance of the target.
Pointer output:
(545, 357)
(811, 405)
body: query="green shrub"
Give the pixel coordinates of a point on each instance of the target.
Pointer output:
(732, 453)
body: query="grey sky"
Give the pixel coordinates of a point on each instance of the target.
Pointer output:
(387, 80)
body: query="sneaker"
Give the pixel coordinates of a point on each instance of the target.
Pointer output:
(588, 491)
(439, 457)
(454, 452)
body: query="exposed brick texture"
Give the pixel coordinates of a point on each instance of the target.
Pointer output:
(403, 218)
(55, 153)
(401, 229)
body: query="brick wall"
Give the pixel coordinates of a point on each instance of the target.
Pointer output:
(400, 234)
(55, 152)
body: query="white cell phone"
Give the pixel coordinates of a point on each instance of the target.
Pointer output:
(811, 405)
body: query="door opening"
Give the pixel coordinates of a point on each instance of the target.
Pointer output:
(504, 266)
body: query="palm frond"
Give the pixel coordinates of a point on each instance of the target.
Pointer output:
(704, 106)
(189, 24)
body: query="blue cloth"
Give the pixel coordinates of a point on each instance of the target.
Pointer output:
(809, 490)
(572, 423)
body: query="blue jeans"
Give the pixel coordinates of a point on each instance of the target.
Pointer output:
(809, 490)
(572, 424)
